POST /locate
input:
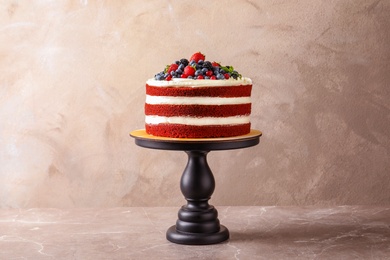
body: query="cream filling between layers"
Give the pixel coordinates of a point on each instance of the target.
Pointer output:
(167, 100)
(198, 121)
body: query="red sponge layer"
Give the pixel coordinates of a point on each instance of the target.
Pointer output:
(189, 131)
(198, 110)
(231, 91)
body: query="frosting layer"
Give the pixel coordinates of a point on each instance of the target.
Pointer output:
(154, 100)
(182, 120)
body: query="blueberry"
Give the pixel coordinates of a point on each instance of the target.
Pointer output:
(220, 76)
(206, 77)
(204, 70)
(181, 66)
(198, 72)
(200, 62)
(198, 66)
(189, 77)
(179, 71)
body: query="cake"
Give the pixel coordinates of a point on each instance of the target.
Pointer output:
(196, 98)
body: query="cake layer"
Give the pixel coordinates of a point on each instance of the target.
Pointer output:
(188, 131)
(198, 110)
(232, 91)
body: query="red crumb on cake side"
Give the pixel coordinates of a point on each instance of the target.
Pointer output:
(198, 110)
(190, 131)
(231, 91)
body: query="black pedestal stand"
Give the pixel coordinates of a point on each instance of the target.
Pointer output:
(197, 222)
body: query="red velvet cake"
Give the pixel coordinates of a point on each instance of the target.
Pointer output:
(198, 99)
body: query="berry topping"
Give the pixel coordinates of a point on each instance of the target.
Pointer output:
(185, 62)
(189, 70)
(197, 68)
(209, 73)
(197, 57)
(171, 68)
(208, 65)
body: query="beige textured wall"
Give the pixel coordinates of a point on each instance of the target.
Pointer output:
(72, 77)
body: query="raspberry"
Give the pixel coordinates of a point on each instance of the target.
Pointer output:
(209, 73)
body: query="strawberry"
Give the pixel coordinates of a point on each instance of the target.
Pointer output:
(197, 56)
(172, 67)
(189, 71)
(216, 64)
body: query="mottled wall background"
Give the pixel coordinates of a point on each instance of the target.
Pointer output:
(72, 77)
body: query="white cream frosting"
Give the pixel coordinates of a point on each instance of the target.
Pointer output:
(233, 120)
(165, 100)
(176, 82)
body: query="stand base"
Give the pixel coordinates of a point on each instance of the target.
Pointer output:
(178, 237)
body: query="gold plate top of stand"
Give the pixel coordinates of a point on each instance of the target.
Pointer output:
(141, 133)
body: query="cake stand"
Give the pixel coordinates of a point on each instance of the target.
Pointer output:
(198, 222)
